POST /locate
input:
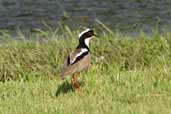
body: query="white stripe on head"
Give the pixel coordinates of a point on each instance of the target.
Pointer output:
(83, 32)
(83, 50)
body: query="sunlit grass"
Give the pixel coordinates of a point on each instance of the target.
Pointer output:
(128, 75)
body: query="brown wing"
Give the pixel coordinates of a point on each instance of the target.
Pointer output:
(67, 62)
(82, 64)
(72, 55)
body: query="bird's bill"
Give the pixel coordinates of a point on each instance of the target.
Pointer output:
(96, 35)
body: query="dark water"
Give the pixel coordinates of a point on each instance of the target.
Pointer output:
(121, 15)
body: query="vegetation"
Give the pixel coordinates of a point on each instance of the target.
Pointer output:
(128, 75)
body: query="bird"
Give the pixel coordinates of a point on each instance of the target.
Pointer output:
(79, 59)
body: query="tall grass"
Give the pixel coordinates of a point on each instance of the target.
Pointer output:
(28, 59)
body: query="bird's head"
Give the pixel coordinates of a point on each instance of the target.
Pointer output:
(85, 36)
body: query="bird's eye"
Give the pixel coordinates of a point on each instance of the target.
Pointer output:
(90, 33)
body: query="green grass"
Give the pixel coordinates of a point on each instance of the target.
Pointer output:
(128, 75)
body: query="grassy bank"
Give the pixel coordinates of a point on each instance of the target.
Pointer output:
(128, 75)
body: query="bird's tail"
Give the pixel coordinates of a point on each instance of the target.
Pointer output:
(61, 74)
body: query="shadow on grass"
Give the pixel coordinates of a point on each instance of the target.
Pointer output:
(66, 87)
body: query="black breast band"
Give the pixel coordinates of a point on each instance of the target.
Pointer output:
(80, 57)
(77, 59)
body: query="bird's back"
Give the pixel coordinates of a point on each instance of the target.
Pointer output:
(73, 65)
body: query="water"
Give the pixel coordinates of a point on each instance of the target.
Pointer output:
(120, 15)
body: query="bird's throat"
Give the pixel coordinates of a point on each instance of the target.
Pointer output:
(86, 41)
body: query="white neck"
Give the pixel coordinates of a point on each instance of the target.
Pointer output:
(86, 41)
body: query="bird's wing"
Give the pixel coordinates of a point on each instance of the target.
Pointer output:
(76, 55)
(73, 58)
(70, 59)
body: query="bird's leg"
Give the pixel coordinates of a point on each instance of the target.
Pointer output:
(75, 81)
(77, 85)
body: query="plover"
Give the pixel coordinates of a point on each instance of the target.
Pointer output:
(79, 59)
